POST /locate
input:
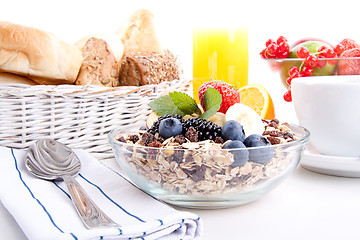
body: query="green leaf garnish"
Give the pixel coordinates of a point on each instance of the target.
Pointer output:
(182, 104)
(165, 105)
(185, 103)
(212, 102)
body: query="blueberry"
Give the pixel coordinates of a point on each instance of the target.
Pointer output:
(259, 155)
(143, 127)
(170, 127)
(241, 156)
(233, 130)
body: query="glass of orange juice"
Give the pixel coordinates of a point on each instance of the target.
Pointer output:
(221, 54)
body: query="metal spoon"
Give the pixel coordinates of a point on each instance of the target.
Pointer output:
(52, 160)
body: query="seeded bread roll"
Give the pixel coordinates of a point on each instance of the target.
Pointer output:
(141, 68)
(37, 54)
(101, 62)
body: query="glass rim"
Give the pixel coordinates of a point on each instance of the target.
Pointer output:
(301, 140)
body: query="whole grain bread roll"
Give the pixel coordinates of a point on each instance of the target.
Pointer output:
(138, 33)
(101, 61)
(142, 68)
(38, 55)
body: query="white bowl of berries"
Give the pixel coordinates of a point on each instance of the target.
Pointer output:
(200, 159)
(311, 57)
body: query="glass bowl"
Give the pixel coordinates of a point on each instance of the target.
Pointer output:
(332, 66)
(206, 178)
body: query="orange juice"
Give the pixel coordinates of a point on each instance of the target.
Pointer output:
(221, 54)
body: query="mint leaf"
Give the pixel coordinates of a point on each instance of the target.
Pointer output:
(212, 102)
(165, 105)
(185, 103)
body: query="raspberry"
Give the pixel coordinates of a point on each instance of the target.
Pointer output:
(346, 44)
(229, 95)
(349, 66)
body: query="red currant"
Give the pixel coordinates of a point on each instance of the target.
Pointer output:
(284, 47)
(287, 96)
(282, 55)
(262, 53)
(293, 71)
(276, 49)
(272, 49)
(307, 71)
(268, 42)
(322, 49)
(329, 53)
(339, 49)
(303, 52)
(281, 39)
(289, 80)
(321, 61)
(311, 60)
(268, 54)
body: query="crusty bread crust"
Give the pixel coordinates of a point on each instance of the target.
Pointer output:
(13, 78)
(139, 69)
(112, 40)
(100, 66)
(37, 54)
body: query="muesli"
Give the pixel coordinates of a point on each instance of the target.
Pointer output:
(205, 167)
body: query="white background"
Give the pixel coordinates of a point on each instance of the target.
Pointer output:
(308, 205)
(71, 20)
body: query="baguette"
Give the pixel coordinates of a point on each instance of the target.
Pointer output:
(138, 33)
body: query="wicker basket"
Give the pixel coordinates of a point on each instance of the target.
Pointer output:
(78, 116)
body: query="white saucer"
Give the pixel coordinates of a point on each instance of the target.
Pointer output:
(331, 165)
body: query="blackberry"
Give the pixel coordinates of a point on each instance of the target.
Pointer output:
(155, 127)
(206, 129)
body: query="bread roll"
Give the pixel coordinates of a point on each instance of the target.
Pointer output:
(138, 33)
(13, 78)
(147, 68)
(38, 55)
(101, 61)
(115, 46)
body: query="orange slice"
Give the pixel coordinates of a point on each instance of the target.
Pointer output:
(256, 97)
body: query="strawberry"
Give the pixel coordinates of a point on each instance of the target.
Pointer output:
(349, 66)
(229, 94)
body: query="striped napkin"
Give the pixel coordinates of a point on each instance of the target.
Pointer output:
(43, 209)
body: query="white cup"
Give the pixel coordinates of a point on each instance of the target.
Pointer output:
(329, 106)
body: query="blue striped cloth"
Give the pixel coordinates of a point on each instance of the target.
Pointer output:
(43, 209)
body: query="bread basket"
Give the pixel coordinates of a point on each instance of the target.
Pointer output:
(78, 116)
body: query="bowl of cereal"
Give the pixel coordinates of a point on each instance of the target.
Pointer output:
(196, 165)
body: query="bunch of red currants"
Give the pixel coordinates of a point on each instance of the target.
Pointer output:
(280, 49)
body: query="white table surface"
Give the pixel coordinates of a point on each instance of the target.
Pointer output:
(307, 205)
